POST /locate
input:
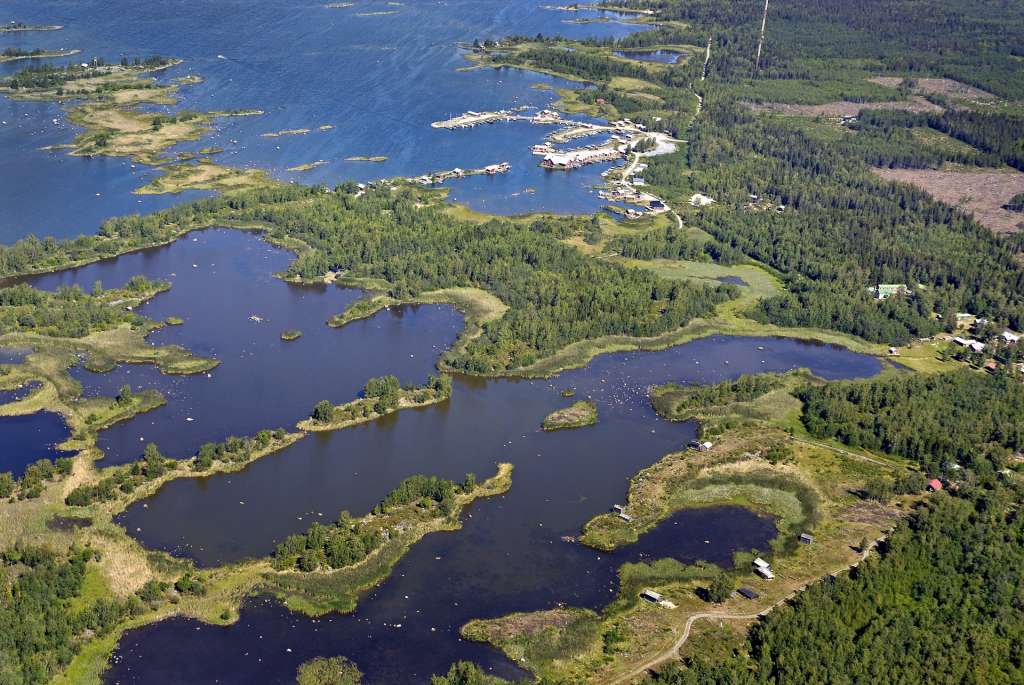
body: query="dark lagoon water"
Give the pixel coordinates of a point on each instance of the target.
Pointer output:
(379, 80)
(565, 477)
(220, 279)
(663, 56)
(508, 557)
(13, 355)
(408, 628)
(28, 438)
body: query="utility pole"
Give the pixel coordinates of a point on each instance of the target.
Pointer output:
(760, 41)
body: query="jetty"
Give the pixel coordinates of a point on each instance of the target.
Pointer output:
(442, 176)
(470, 119)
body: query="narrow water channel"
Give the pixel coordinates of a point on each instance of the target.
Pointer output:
(220, 280)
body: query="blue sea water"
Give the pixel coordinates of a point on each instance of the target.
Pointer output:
(378, 72)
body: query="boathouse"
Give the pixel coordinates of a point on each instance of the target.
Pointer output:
(651, 596)
(763, 569)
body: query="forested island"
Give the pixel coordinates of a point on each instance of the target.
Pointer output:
(893, 498)
(12, 54)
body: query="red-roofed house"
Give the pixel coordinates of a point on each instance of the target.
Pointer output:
(934, 485)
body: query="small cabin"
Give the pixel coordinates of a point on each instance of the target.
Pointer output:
(748, 593)
(619, 508)
(625, 517)
(761, 563)
(651, 596)
(806, 539)
(934, 485)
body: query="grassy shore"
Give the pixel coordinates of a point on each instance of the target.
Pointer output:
(580, 646)
(286, 132)
(477, 306)
(205, 175)
(309, 166)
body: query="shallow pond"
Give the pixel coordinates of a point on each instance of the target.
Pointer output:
(28, 438)
(663, 56)
(734, 280)
(19, 393)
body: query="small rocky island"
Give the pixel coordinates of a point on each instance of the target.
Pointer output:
(576, 415)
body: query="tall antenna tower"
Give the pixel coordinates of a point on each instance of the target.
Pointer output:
(760, 40)
(707, 58)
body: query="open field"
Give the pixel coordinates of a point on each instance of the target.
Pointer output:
(758, 282)
(206, 175)
(979, 193)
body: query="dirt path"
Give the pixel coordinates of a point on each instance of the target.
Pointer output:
(854, 455)
(673, 651)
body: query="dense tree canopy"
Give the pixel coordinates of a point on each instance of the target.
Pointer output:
(39, 629)
(943, 604)
(964, 417)
(70, 312)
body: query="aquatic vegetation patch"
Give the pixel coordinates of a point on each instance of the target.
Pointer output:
(335, 670)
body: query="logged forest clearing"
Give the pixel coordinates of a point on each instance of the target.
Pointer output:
(981, 194)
